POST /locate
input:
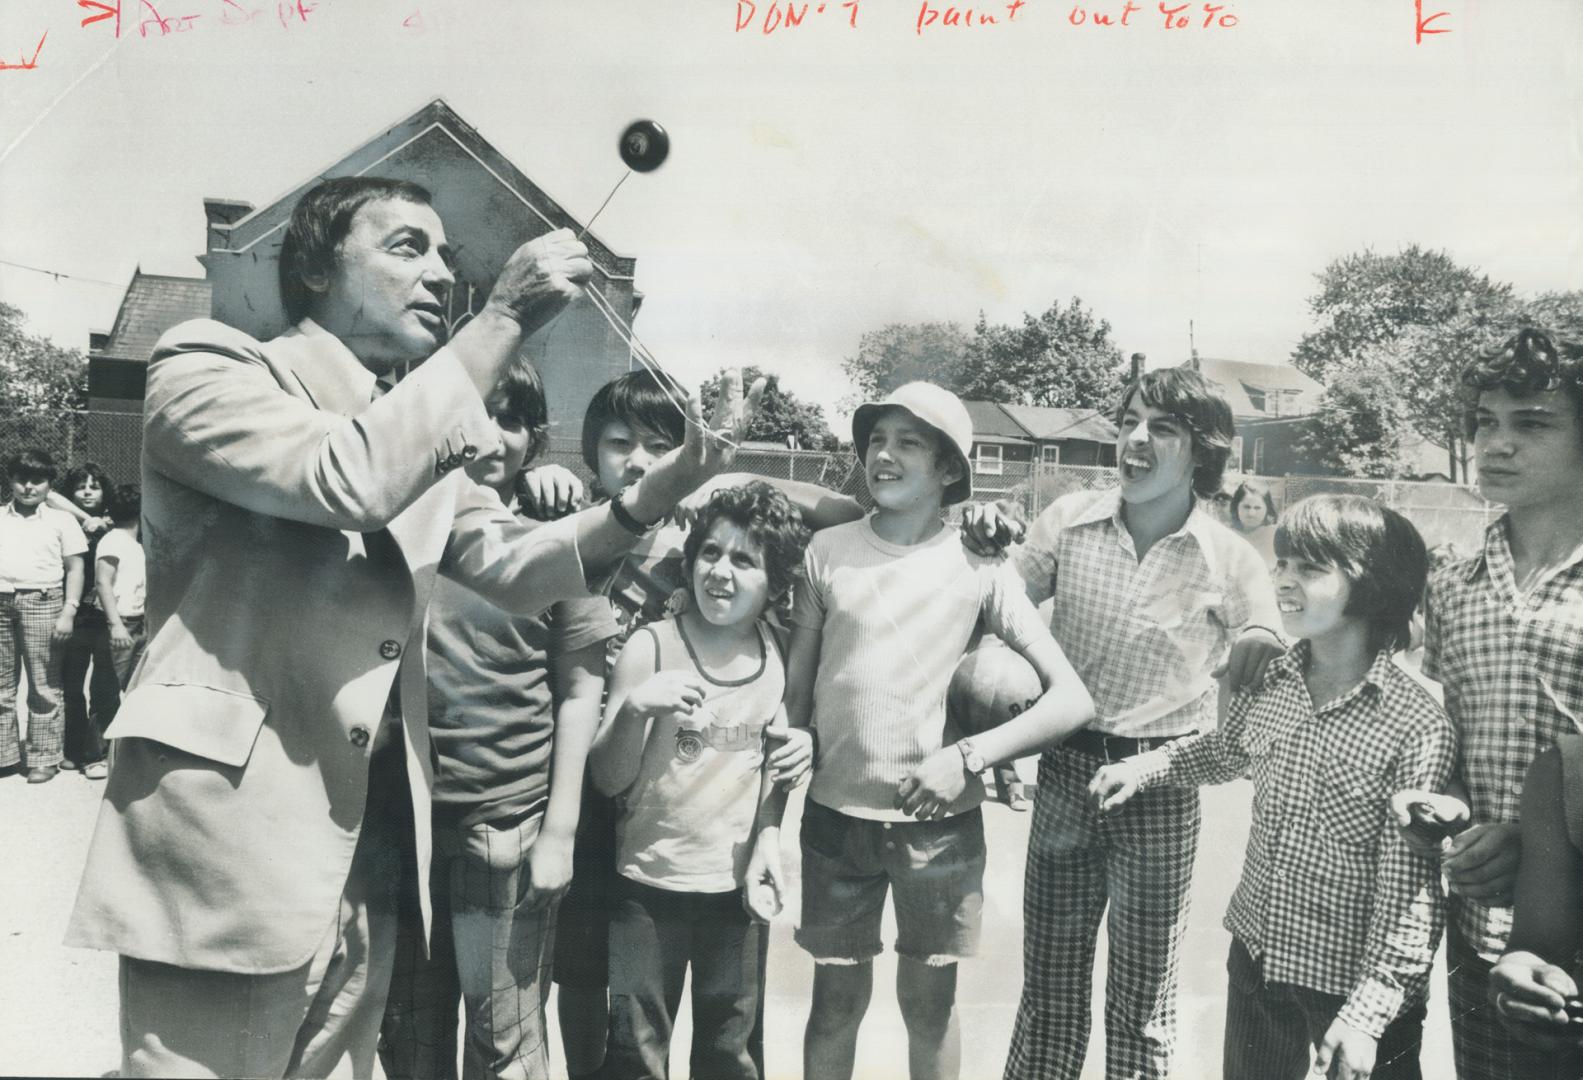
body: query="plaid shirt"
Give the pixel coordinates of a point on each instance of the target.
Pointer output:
(1144, 634)
(1331, 896)
(1512, 668)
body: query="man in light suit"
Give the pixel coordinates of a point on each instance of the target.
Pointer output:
(273, 765)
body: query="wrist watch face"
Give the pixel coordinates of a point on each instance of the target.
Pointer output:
(971, 758)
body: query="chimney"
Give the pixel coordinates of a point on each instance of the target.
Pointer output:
(1137, 365)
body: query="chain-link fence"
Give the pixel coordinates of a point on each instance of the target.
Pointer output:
(112, 439)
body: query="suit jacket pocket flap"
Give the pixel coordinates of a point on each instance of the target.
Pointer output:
(220, 725)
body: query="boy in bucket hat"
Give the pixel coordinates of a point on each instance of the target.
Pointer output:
(887, 610)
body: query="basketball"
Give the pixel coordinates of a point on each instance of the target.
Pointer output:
(991, 684)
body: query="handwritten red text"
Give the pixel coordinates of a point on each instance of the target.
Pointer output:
(778, 16)
(1425, 23)
(929, 15)
(25, 63)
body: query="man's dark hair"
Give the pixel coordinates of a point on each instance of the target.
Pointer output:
(33, 463)
(525, 403)
(1532, 361)
(126, 503)
(768, 517)
(1193, 400)
(1376, 549)
(320, 221)
(638, 399)
(79, 473)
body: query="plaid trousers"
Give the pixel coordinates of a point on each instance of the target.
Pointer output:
(488, 952)
(1139, 861)
(26, 622)
(1483, 1048)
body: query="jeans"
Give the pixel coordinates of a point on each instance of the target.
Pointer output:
(654, 935)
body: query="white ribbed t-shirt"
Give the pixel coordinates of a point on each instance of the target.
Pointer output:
(894, 621)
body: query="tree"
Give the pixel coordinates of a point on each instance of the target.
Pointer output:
(1063, 358)
(1366, 301)
(36, 375)
(780, 414)
(43, 390)
(1359, 427)
(903, 353)
(1414, 319)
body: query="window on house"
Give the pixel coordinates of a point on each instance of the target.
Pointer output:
(987, 459)
(1236, 452)
(1258, 456)
(1050, 454)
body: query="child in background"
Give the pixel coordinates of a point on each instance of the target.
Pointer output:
(513, 705)
(89, 489)
(1336, 919)
(691, 702)
(887, 609)
(120, 579)
(38, 547)
(1253, 517)
(630, 423)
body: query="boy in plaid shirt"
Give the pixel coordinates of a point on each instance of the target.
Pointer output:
(1504, 634)
(1336, 920)
(1150, 593)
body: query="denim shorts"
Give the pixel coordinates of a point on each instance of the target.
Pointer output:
(934, 868)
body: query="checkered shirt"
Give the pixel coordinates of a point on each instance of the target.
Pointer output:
(1331, 896)
(1512, 668)
(1144, 634)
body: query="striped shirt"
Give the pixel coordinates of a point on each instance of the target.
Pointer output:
(1144, 634)
(1512, 667)
(894, 621)
(1331, 897)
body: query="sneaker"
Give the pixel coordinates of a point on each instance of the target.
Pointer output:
(95, 770)
(43, 774)
(68, 766)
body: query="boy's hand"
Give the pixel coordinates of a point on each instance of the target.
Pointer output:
(120, 638)
(1481, 864)
(990, 528)
(666, 692)
(550, 491)
(934, 785)
(549, 869)
(790, 762)
(1531, 997)
(688, 509)
(63, 626)
(93, 526)
(1250, 654)
(765, 883)
(1113, 785)
(707, 450)
(1346, 1053)
(1426, 818)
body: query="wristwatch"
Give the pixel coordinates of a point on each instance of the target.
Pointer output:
(625, 518)
(972, 760)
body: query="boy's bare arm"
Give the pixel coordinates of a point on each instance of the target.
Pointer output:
(820, 507)
(579, 682)
(618, 745)
(104, 574)
(68, 611)
(764, 881)
(802, 668)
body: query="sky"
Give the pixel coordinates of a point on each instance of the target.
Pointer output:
(826, 179)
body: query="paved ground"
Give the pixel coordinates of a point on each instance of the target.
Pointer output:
(58, 1005)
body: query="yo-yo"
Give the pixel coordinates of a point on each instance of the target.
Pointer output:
(644, 146)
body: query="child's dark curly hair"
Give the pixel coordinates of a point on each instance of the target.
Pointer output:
(1532, 361)
(768, 517)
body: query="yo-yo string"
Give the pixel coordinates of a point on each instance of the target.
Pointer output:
(636, 348)
(604, 204)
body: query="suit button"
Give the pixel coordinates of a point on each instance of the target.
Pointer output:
(469, 452)
(359, 736)
(390, 649)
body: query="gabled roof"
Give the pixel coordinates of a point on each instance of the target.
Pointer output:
(992, 423)
(153, 304)
(1047, 424)
(1237, 376)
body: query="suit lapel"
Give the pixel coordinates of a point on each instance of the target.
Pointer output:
(313, 362)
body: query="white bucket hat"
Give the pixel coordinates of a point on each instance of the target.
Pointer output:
(935, 406)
